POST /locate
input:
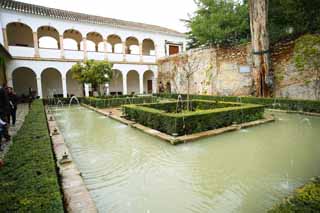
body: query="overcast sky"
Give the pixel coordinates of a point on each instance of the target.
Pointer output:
(166, 13)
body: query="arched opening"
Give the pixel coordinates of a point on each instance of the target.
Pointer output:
(51, 81)
(74, 87)
(24, 79)
(116, 85)
(148, 78)
(133, 82)
(19, 34)
(91, 46)
(132, 46)
(72, 39)
(48, 37)
(115, 44)
(148, 47)
(97, 40)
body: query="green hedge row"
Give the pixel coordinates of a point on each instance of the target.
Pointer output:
(194, 105)
(116, 102)
(28, 180)
(116, 96)
(64, 101)
(191, 122)
(274, 103)
(304, 199)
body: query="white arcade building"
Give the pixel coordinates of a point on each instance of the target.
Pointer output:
(44, 43)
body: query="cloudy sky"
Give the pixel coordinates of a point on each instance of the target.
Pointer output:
(166, 13)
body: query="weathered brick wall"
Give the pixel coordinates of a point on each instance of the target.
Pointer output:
(289, 82)
(221, 72)
(218, 72)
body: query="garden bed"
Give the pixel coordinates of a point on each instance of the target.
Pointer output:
(28, 180)
(116, 102)
(304, 199)
(273, 103)
(203, 116)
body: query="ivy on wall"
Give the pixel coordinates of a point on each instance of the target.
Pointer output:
(306, 59)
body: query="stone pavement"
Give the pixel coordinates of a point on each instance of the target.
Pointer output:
(22, 111)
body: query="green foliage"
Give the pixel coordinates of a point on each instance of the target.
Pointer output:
(207, 116)
(116, 102)
(305, 199)
(291, 18)
(307, 52)
(28, 181)
(227, 22)
(219, 22)
(307, 59)
(93, 72)
(278, 103)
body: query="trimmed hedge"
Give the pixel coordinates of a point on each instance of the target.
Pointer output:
(304, 199)
(65, 101)
(192, 122)
(116, 102)
(194, 105)
(274, 103)
(28, 180)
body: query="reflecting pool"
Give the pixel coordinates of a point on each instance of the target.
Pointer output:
(249, 170)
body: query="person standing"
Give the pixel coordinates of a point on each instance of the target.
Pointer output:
(4, 111)
(13, 101)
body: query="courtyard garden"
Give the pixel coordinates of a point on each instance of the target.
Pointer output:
(233, 124)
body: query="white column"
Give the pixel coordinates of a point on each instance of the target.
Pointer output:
(154, 85)
(156, 50)
(141, 51)
(10, 82)
(61, 46)
(36, 44)
(39, 86)
(5, 38)
(64, 87)
(107, 88)
(125, 88)
(124, 49)
(141, 83)
(86, 90)
(105, 49)
(85, 54)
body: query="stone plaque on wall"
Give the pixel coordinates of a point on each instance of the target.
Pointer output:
(244, 69)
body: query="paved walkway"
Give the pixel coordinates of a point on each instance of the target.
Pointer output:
(22, 111)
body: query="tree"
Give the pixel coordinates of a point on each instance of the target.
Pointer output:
(189, 66)
(258, 10)
(219, 22)
(307, 60)
(93, 72)
(292, 18)
(226, 22)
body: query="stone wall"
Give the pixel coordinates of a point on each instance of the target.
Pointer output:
(289, 81)
(220, 72)
(227, 71)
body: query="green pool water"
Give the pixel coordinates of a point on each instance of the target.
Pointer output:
(249, 170)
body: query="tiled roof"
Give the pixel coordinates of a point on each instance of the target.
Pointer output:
(81, 17)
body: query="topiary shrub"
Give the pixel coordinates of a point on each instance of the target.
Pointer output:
(208, 115)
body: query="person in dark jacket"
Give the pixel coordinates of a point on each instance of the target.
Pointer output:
(4, 111)
(13, 101)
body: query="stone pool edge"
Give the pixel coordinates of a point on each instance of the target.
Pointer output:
(77, 197)
(295, 112)
(185, 138)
